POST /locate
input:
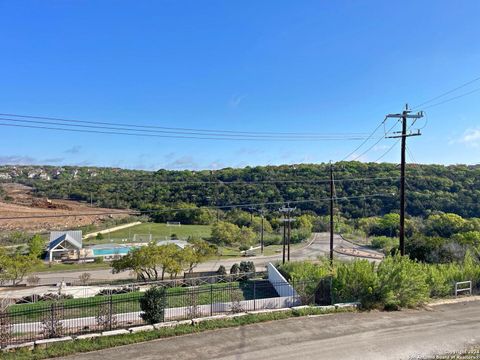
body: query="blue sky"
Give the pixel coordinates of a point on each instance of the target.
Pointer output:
(297, 66)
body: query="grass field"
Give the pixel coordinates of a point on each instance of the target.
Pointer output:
(158, 231)
(129, 302)
(44, 267)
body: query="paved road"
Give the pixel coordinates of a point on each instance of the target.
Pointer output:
(375, 335)
(319, 246)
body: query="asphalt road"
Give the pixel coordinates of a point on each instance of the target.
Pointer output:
(319, 246)
(409, 334)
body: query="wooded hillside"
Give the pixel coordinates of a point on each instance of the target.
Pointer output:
(431, 188)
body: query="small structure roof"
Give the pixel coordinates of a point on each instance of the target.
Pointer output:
(74, 238)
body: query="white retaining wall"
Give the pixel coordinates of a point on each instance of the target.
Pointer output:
(280, 284)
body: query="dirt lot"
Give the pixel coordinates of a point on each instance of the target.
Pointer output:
(23, 203)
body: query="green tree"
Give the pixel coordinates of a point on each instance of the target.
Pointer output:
(36, 246)
(445, 225)
(224, 233)
(153, 304)
(14, 267)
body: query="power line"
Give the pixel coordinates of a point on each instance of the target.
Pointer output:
(177, 136)
(453, 98)
(365, 141)
(149, 131)
(376, 143)
(177, 130)
(388, 150)
(446, 93)
(139, 212)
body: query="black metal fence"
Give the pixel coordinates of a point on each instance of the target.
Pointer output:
(116, 308)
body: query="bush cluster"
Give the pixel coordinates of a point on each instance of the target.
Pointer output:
(122, 290)
(45, 297)
(395, 283)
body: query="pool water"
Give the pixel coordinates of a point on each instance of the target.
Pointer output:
(111, 251)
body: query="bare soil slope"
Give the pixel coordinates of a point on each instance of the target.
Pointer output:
(23, 203)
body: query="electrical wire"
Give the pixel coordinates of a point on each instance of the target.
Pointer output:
(142, 131)
(175, 130)
(365, 141)
(339, 138)
(452, 98)
(388, 150)
(446, 93)
(376, 143)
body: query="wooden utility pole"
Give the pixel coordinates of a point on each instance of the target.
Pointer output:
(286, 236)
(331, 212)
(263, 228)
(405, 115)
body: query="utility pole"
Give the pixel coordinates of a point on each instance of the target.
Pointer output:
(331, 213)
(263, 228)
(284, 235)
(405, 115)
(286, 219)
(251, 215)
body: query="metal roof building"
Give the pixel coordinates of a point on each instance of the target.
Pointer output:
(64, 242)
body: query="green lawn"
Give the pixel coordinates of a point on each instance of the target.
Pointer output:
(129, 302)
(158, 231)
(43, 267)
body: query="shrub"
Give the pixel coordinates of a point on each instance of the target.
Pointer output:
(33, 280)
(247, 267)
(305, 277)
(105, 318)
(51, 321)
(153, 304)
(402, 283)
(298, 235)
(274, 240)
(438, 279)
(221, 270)
(304, 271)
(385, 243)
(235, 269)
(244, 247)
(356, 281)
(98, 260)
(122, 290)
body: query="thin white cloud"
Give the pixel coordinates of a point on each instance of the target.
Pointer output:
(471, 137)
(236, 100)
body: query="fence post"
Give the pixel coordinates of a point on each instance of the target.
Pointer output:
(254, 295)
(52, 320)
(110, 312)
(211, 299)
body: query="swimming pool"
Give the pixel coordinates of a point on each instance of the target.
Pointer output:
(112, 251)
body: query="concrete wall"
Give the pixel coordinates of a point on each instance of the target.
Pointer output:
(280, 284)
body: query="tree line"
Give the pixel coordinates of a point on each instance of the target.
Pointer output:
(431, 188)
